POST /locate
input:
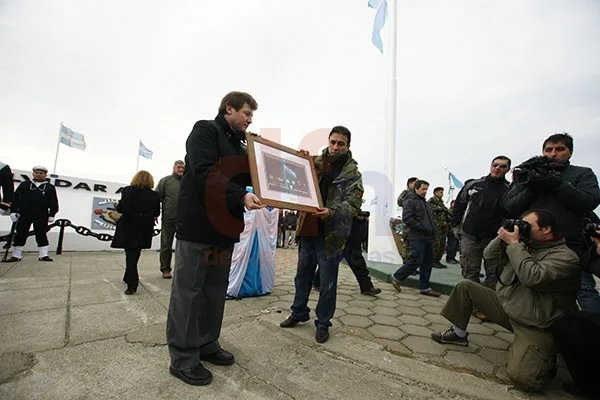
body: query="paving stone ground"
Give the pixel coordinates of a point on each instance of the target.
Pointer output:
(79, 300)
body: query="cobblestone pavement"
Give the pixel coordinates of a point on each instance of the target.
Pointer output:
(64, 322)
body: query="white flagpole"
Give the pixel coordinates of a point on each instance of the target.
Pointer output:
(137, 165)
(390, 160)
(57, 148)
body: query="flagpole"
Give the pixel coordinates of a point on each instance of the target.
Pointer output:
(137, 165)
(57, 148)
(390, 161)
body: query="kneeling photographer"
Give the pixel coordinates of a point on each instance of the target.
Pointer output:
(537, 284)
(569, 192)
(576, 335)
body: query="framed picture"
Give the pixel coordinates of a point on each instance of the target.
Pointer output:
(283, 177)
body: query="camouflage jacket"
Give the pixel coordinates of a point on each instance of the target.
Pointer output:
(403, 196)
(344, 200)
(441, 215)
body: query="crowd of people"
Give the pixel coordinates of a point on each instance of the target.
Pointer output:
(538, 252)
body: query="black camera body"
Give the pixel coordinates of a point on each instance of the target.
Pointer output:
(590, 228)
(524, 227)
(537, 168)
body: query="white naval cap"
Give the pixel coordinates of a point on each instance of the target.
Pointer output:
(40, 168)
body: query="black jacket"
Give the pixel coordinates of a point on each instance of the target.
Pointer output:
(7, 187)
(35, 201)
(478, 208)
(570, 202)
(136, 227)
(417, 215)
(210, 207)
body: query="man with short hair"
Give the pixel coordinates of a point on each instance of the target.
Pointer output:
(570, 192)
(168, 190)
(210, 219)
(35, 203)
(416, 213)
(443, 222)
(323, 235)
(538, 285)
(410, 188)
(477, 215)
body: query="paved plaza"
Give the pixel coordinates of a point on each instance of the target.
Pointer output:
(67, 331)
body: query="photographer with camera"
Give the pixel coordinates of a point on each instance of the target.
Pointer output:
(576, 335)
(569, 192)
(537, 285)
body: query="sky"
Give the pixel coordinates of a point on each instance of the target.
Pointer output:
(475, 79)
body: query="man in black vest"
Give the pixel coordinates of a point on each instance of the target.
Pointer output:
(210, 219)
(35, 203)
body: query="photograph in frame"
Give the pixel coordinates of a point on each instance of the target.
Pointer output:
(283, 177)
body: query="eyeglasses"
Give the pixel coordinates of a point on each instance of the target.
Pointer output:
(503, 166)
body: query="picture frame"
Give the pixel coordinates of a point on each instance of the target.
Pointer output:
(282, 177)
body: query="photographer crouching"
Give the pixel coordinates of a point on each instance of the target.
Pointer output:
(538, 281)
(576, 335)
(569, 192)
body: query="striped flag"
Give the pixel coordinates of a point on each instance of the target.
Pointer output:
(71, 138)
(145, 152)
(380, 17)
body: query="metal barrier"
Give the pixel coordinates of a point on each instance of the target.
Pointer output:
(62, 224)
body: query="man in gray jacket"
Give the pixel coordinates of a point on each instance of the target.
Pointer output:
(537, 286)
(168, 189)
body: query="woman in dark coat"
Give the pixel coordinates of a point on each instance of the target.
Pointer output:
(140, 206)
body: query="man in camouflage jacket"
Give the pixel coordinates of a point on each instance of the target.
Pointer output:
(410, 188)
(443, 224)
(322, 235)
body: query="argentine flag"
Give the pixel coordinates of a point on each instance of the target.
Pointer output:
(380, 17)
(145, 152)
(71, 138)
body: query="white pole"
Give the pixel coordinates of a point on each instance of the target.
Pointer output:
(390, 161)
(137, 165)
(57, 148)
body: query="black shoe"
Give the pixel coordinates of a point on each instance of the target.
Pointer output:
(322, 335)
(220, 357)
(45, 258)
(372, 292)
(452, 261)
(129, 291)
(13, 259)
(197, 376)
(290, 322)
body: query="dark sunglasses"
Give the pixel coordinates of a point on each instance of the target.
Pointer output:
(503, 166)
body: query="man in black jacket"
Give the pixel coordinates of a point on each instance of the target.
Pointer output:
(35, 203)
(417, 215)
(210, 218)
(570, 192)
(476, 218)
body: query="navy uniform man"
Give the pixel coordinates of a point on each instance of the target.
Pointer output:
(35, 203)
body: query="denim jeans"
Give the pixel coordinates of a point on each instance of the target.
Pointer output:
(311, 253)
(588, 299)
(422, 258)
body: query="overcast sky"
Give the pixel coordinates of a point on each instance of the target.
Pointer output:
(475, 79)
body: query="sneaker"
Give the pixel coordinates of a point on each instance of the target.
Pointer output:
(372, 292)
(322, 335)
(396, 284)
(197, 376)
(450, 337)
(431, 293)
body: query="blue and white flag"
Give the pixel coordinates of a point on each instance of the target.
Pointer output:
(456, 181)
(71, 138)
(380, 18)
(145, 152)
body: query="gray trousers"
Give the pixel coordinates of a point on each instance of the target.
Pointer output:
(197, 301)
(532, 353)
(167, 233)
(471, 255)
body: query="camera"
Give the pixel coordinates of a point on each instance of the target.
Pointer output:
(363, 214)
(537, 168)
(524, 227)
(590, 228)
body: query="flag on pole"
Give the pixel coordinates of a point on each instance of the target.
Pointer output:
(380, 18)
(457, 182)
(71, 138)
(145, 152)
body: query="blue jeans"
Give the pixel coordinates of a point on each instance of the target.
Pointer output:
(452, 248)
(588, 299)
(312, 252)
(421, 258)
